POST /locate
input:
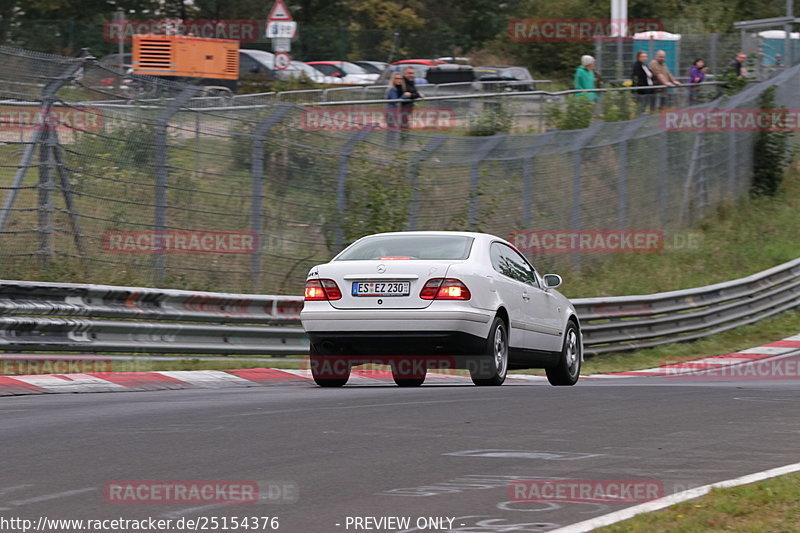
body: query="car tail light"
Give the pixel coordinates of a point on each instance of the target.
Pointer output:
(445, 289)
(321, 290)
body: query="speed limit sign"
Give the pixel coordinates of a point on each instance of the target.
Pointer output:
(282, 60)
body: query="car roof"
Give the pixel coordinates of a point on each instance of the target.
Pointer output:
(473, 234)
(250, 51)
(326, 62)
(430, 62)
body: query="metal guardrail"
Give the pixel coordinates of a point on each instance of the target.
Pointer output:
(634, 322)
(38, 316)
(63, 317)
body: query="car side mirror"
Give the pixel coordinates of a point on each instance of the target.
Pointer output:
(551, 281)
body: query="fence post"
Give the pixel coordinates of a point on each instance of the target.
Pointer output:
(576, 218)
(162, 175)
(46, 185)
(413, 174)
(48, 98)
(475, 178)
(527, 177)
(732, 166)
(257, 173)
(622, 187)
(663, 169)
(341, 186)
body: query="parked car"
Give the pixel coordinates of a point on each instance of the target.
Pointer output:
(348, 72)
(420, 66)
(512, 78)
(438, 297)
(117, 60)
(298, 69)
(257, 63)
(372, 67)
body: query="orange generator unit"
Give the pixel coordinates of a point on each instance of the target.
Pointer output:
(196, 60)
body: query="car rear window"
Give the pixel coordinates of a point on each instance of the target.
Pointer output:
(422, 247)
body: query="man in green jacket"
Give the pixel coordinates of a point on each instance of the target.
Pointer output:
(584, 77)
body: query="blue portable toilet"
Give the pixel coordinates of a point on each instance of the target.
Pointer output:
(772, 47)
(652, 41)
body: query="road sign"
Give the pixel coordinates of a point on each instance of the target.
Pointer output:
(282, 60)
(280, 12)
(281, 28)
(281, 44)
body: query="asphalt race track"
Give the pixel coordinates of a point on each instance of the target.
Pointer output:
(380, 451)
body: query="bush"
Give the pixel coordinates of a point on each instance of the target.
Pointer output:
(494, 119)
(771, 153)
(576, 114)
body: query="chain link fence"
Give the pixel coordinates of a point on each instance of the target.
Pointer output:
(201, 194)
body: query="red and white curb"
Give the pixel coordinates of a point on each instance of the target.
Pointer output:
(218, 379)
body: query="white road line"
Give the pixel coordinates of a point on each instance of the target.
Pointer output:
(48, 497)
(672, 499)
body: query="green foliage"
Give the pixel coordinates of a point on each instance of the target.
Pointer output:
(576, 114)
(618, 106)
(771, 153)
(495, 118)
(378, 200)
(131, 143)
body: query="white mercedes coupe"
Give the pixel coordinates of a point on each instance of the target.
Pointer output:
(438, 299)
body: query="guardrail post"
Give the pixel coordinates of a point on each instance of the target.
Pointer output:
(413, 174)
(162, 176)
(576, 218)
(341, 185)
(257, 173)
(475, 178)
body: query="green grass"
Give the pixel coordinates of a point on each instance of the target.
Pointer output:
(766, 506)
(740, 239)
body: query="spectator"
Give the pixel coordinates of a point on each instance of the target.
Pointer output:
(642, 76)
(737, 65)
(584, 77)
(696, 75)
(397, 91)
(662, 76)
(409, 95)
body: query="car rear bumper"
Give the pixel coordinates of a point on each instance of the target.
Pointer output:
(470, 321)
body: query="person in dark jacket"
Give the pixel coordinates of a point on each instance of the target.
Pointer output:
(411, 93)
(696, 75)
(642, 76)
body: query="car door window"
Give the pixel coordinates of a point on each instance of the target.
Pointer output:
(509, 263)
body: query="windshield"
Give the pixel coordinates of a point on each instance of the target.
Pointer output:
(265, 58)
(435, 247)
(350, 68)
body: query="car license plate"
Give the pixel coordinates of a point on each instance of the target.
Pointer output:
(381, 288)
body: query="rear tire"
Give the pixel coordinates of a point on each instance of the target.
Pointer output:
(327, 370)
(568, 370)
(493, 367)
